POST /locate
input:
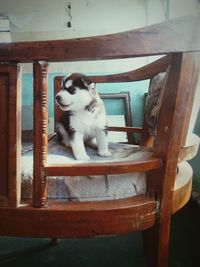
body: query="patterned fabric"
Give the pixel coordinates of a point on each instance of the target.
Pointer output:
(87, 187)
(154, 100)
(98, 187)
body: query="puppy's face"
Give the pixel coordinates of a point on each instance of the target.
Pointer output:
(76, 92)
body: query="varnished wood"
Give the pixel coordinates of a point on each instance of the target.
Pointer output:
(4, 139)
(168, 143)
(167, 37)
(151, 213)
(125, 129)
(143, 73)
(40, 133)
(11, 134)
(102, 168)
(80, 219)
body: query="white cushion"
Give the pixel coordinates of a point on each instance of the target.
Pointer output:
(87, 187)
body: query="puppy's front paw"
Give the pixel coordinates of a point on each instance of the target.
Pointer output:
(83, 157)
(104, 153)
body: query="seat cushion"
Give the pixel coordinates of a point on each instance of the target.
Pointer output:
(87, 187)
(154, 101)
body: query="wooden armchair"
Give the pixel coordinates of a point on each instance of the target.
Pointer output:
(168, 181)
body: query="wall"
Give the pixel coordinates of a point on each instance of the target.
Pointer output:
(136, 89)
(47, 19)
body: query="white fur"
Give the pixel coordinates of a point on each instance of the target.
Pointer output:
(77, 101)
(89, 125)
(88, 128)
(68, 83)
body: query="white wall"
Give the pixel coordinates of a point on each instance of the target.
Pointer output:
(47, 19)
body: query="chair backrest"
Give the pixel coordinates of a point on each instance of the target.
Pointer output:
(147, 72)
(179, 40)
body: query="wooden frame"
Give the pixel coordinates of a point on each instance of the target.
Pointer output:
(150, 213)
(10, 134)
(125, 96)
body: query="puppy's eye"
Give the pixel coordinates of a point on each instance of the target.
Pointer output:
(70, 90)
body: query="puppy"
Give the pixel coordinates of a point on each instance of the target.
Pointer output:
(84, 117)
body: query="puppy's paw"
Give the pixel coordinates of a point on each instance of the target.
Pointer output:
(104, 153)
(84, 157)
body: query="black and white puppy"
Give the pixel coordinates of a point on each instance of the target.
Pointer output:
(84, 117)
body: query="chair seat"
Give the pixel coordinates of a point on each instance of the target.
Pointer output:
(84, 188)
(91, 188)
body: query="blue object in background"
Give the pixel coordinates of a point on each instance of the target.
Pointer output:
(113, 107)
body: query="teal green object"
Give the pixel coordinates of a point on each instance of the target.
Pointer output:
(113, 107)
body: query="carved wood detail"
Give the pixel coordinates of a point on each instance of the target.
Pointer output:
(40, 73)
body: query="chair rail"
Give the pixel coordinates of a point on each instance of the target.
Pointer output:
(141, 42)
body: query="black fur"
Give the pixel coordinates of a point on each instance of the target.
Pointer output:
(77, 82)
(71, 90)
(65, 121)
(91, 107)
(106, 130)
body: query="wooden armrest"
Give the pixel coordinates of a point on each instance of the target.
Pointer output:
(143, 73)
(125, 129)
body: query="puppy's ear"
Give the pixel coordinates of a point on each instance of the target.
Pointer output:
(90, 85)
(86, 81)
(63, 81)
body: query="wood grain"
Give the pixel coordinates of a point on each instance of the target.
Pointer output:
(178, 35)
(40, 115)
(3, 138)
(10, 134)
(171, 136)
(80, 219)
(103, 168)
(151, 213)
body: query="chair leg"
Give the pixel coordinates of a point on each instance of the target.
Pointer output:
(156, 245)
(54, 241)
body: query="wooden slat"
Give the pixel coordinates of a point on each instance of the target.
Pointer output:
(146, 72)
(143, 73)
(57, 110)
(3, 138)
(177, 35)
(80, 219)
(125, 129)
(14, 136)
(40, 114)
(11, 133)
(102, 168)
